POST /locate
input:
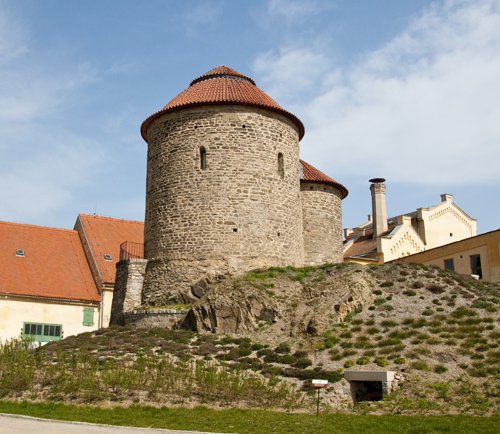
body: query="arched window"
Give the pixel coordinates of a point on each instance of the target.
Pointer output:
(203, 158)
(281, 165)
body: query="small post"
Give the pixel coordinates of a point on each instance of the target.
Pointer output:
(317, 405)
(319, 384)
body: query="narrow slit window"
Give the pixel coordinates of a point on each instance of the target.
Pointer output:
(281, 166)
(203, 158)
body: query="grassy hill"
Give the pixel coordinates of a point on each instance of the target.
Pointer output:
(436, 329)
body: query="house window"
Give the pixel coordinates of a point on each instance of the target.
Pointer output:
(449, 265)
(281, 166)
(203, 158)
(88, 316)
(42, 332)
(475, 265)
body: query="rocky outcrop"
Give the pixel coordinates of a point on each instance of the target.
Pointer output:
(280, 303)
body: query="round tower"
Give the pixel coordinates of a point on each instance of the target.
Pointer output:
(222, 186)
(322, 216)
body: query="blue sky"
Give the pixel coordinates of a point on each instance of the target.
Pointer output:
(406, 90)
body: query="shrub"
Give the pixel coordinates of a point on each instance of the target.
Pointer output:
(440, 369)
(348, 353)
(409, 292)
(387, 284)
(463, 311)
(428, 312)
(435, 288)
(379, 301)
(388, 323)
(364, 360)
(284, 347)
(377, 292)
(420, 365)
(381, 361)
(400, 361)
(302, 362)
(349, 363)
(331, 341)
(417, 284)
(481, 303)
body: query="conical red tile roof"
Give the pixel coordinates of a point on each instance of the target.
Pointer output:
(222, 86)
(311, 174)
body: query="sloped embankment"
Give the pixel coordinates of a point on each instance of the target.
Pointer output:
(438, 330)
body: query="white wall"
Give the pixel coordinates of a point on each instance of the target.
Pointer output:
(13, 313)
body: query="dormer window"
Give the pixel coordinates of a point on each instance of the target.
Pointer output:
(107, 257)
(20, 253)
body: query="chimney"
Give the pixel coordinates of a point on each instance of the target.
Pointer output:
(446, 197)
(379, 207)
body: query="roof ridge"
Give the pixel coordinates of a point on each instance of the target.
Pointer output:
(30, 225)
(103, 217)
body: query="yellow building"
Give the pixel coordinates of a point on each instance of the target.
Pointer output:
(478, 256)
(383, 239)
(47, 290)
(55, 282)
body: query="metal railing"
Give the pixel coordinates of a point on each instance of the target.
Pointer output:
(130, 250)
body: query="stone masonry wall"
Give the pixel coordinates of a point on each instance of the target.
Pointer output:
(322, 220)
(236, 215)
(128, 288)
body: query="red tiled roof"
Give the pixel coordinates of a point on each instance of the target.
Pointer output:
(365, 245)
(221, 71)
(104, 235)
(54, 263)
(222, 85)
(311, 174)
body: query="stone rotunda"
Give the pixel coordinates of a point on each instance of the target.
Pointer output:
(226, 191)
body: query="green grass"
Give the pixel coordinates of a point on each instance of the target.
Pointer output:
(254, 421)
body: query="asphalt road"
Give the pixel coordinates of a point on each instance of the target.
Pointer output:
(14, 424)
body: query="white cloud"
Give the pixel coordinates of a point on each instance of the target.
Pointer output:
(41, 163)
(421, 109)
(291, 72)
(41, 179)
(298, 10)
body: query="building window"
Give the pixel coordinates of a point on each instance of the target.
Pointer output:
(475, 265)
(88, 316)
(449, 265)
(281, 166)
(203, 158)
(42, 332)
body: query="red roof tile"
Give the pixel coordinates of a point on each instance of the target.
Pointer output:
(222, 85)
(311, 174)
(221, 71)
(54, 263)
(363, 246)
(104, 235)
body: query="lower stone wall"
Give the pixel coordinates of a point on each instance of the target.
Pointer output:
(149, 318)
(128, 288)
(322, 223)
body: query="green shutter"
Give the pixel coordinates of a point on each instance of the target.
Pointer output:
(88, 316)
